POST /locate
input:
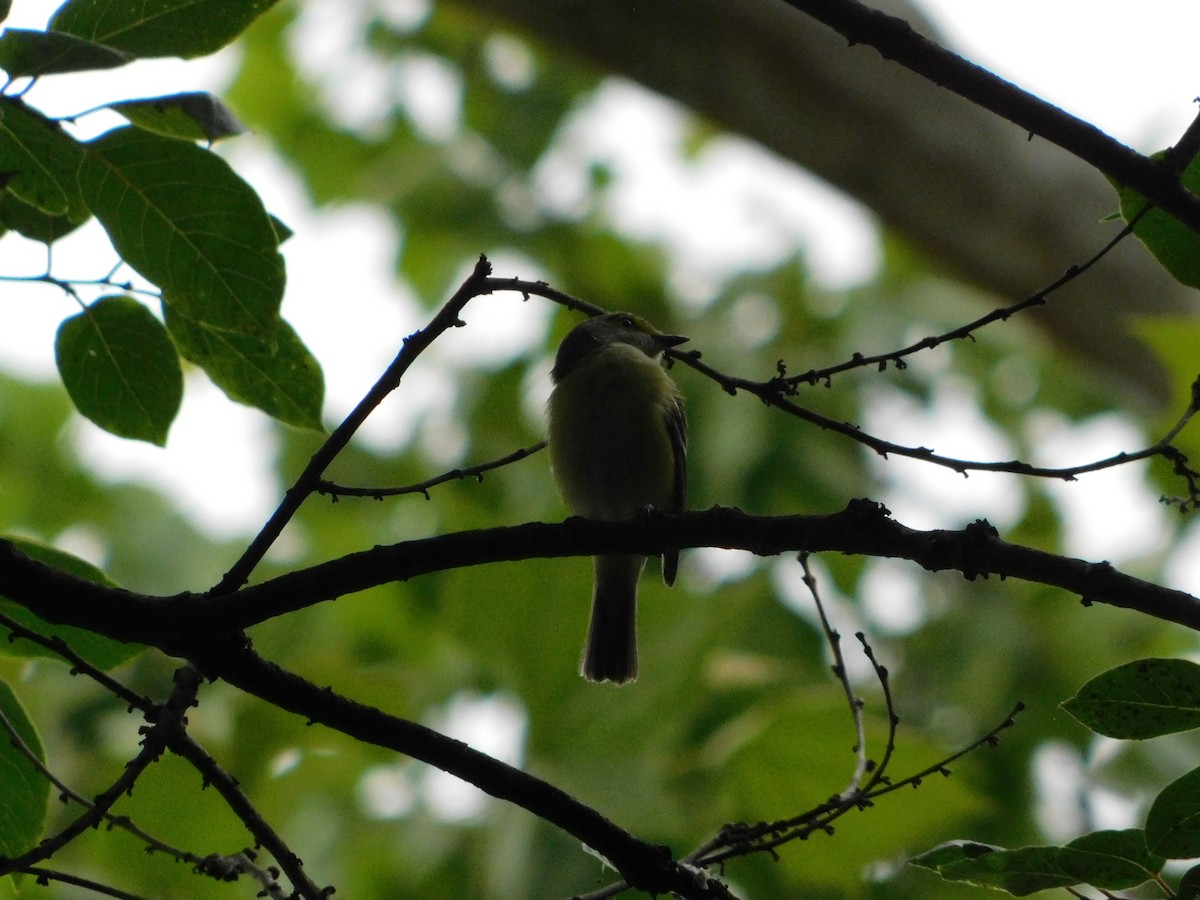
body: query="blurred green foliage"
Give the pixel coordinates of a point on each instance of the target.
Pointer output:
(735, 716)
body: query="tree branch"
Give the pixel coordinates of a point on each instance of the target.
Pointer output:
(337, 491)
(864, 528)
(182, 744)
(414, 345)
(643, 865)
(169, 717)
(895, 40)
(206, 628)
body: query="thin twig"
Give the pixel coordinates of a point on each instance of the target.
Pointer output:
(45, 876)
(991, 739)
(833, 640)
(78, 664)
(153, 745)
(66, 793)
(413, 346)
(889, 705)
(423, 487)
(741, 840)
(182, 744)
(1003, 314)
(773, 393)
(777, 393)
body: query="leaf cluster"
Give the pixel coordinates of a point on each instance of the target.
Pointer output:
(1143, 699)
(175, 212)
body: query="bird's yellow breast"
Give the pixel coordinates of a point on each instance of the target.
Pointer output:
(609, 443)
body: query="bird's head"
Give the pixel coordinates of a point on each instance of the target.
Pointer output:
(611, 328)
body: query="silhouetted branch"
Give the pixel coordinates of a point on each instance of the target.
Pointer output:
(742, 839)
(1002, 314)
(207, 627)
(643, 865)
(777, 392)
(78, 663)
(833, 640)
(65, 794)
(154, 741)
(896, 40)
(414, 345)
(182, 744)
(44, 876)
(423, 487)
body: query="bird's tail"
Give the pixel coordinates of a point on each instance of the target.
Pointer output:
(611, 651)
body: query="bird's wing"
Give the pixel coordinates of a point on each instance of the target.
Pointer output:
(675, 420)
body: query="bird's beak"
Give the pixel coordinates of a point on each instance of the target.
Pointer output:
(671, 340)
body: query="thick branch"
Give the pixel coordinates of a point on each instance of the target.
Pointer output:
(643, 865)
(862, 528)
(207, 627)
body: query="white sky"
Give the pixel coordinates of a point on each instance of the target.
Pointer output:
(1134, 75)
(1130, 69)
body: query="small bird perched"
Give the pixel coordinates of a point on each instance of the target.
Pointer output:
(618, 444)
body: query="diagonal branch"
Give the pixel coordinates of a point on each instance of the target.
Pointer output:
(775, 393)
(414, 345)
(896, 40)
(169, 718)
(1002, 314)
(184, 745)
(643, 865)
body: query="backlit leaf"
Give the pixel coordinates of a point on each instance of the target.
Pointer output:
(1141, 699)
(281, 378)
(121, 369)
(181, 216)
(193, 116)
(25, 52)
(40, 161)
(24, 789)
(184, 28)
(1173, 823)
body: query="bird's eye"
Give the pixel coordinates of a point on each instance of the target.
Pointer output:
(627, 322)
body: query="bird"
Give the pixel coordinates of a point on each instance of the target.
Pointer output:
(617, 435)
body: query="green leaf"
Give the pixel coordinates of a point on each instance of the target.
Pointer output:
(5, 8)
(282, 232)
(181, 217)
(1173, 244)
(24, 789)
(150, 28)
(950, 852)
(282, 379)
(1111, 860)
(1141, 699)
(24, 52)
(40, 161)
(1173, 823)
(102, 652)
(121, 369)
(19, 216)
(193, 116)
(1021, 872)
